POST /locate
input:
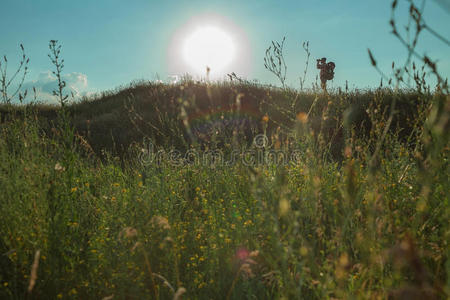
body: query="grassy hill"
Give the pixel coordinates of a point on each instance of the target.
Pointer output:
(359, 212)
(192, 113)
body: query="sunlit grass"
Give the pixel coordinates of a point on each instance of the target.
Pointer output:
(321, 227)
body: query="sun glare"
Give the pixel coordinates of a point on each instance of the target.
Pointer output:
(209, 41)
(208, 47)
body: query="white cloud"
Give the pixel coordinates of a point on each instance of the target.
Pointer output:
(46, 83)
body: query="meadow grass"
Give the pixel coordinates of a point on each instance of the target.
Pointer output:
(362, 212)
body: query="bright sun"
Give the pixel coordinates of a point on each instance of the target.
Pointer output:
(208, 46)
(208, 40)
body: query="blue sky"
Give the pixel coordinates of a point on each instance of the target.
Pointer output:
(109, 43)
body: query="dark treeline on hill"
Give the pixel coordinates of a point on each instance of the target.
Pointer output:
(212, 115)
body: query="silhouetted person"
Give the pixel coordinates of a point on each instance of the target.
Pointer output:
(326, 71)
